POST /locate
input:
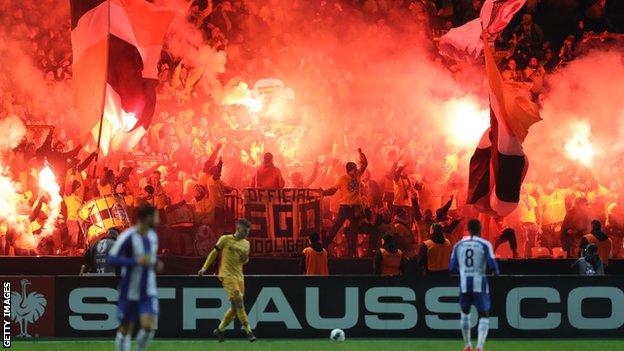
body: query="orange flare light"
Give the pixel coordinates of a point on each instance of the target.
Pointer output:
(47, 183)
(579, 148)
(466, 121)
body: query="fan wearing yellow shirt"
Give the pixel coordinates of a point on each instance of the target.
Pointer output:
(73, 203)
(217, 191)
(552, 207)
(348, 189)
(234, 249)
(528, 211)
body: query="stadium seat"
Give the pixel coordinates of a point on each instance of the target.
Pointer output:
(540, 252)
(557, 252)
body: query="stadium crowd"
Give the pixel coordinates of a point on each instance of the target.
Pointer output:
(198, 152)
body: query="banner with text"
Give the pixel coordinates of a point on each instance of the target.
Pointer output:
(363, 306)
(282, 219)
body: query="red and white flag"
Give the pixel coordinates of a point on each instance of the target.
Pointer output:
(116, 47)
(464, 42)
(498, 165)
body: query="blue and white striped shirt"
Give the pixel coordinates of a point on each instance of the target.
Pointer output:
(471, 257)
(137, 281)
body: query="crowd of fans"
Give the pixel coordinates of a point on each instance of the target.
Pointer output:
(199, 152)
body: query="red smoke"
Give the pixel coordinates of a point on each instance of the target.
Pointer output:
(359, 80)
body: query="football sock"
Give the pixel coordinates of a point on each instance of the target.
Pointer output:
(484, 325)
(144, 338)
(119, 338)
(227, 319)
(242, 317)
(127, 339)
(464, 323)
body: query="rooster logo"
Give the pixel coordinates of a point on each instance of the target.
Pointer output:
(26, 308)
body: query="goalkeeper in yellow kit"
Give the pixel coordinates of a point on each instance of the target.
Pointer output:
(234, 249)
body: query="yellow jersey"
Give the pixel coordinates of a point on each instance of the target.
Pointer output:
(402, 195)
(216, 192)
(553, 206)
(349, 189)
(527, 209)
(233, 256)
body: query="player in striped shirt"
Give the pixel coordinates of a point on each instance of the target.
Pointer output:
(471, 257)
(135, 251)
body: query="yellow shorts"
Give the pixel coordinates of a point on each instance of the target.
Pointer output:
(234, 287)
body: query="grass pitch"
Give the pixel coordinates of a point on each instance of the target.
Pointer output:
(326, 345)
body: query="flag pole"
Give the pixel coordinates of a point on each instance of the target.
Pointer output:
(103, 104)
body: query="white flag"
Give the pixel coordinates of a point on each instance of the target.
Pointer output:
(464, 42)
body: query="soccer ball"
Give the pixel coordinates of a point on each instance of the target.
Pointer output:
(337, 335)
